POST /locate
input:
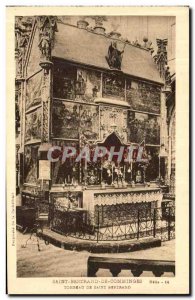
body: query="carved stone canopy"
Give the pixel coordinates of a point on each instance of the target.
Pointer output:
(47, 27)
(112, 139)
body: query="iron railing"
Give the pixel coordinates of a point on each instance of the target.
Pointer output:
(141, 223)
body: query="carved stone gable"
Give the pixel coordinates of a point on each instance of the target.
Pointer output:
(113, 119)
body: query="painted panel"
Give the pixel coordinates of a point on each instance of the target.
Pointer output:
(35, 56)
(65, 120)
(76, 84)
(143, 96)
(30, 163)
(33, 126)
(33, 90)
(87, 85)
(64, 81)
(89, 121)
(68, 119)
(143, 126)
(113, 86)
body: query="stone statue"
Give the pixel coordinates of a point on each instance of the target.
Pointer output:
(80, 85)
(114, 57)
(45, 45)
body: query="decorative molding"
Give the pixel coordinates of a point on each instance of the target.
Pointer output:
(45, 107)
(161, 60)
(23, 27)
(126, 197)
(112, 102)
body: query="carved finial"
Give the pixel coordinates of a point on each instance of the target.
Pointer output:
(145, 40)
(161, 56)
(99, 20)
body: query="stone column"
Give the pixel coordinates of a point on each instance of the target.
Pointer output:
(46, 101)
(164, 131)
(47, 27)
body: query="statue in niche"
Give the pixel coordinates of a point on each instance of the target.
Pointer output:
(80, 85)
(45, 45)
(167, 76)
(114, 57)
(95, 91)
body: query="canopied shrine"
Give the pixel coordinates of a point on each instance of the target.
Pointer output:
(80, 86)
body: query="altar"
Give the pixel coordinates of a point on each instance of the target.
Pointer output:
(95, 206)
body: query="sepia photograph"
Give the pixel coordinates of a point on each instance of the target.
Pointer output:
(95, 150)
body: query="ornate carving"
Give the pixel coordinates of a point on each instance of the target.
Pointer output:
(45, 132)
(126, 197)
(47, 26)
(161, 56)
(99, 20)
(17, 114)
(23, 26)
(45, 103)
(67, 200)
(113, 120)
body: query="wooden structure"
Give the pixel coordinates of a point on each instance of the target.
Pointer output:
(77, 87)
(136, 266)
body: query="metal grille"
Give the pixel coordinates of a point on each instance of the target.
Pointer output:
(139, 223)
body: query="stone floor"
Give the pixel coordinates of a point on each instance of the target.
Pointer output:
(52, 261)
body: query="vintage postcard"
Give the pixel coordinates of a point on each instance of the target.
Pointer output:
(98, 139)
